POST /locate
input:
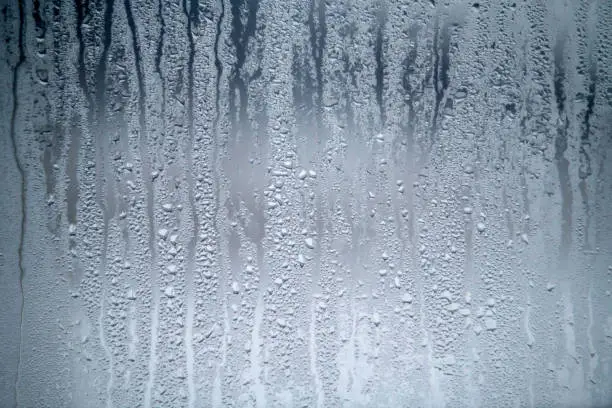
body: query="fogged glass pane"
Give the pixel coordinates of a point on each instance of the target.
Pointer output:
(306, 203)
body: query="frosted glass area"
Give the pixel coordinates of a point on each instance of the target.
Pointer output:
(305, 203)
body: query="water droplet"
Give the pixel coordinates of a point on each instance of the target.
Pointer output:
(235, 287)
(464, 312)
(131, 294)
(446, 295)
(449, 360)
(453, 307)
(376, 318)
(309, 243)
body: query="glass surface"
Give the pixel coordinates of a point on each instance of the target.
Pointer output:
(305, 203)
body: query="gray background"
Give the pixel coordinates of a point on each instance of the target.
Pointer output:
(305, 203)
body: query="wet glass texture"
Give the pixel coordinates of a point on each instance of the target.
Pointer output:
(305, 203)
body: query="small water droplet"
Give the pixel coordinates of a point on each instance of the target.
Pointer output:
(376, 318)
(235, 287)
(453, 307)
(131, 294)
(309, 243)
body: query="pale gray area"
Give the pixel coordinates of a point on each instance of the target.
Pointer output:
(348, 203)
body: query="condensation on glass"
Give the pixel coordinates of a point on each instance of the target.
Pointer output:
(312, 203)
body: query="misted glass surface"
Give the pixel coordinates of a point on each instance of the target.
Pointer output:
(305, 203)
